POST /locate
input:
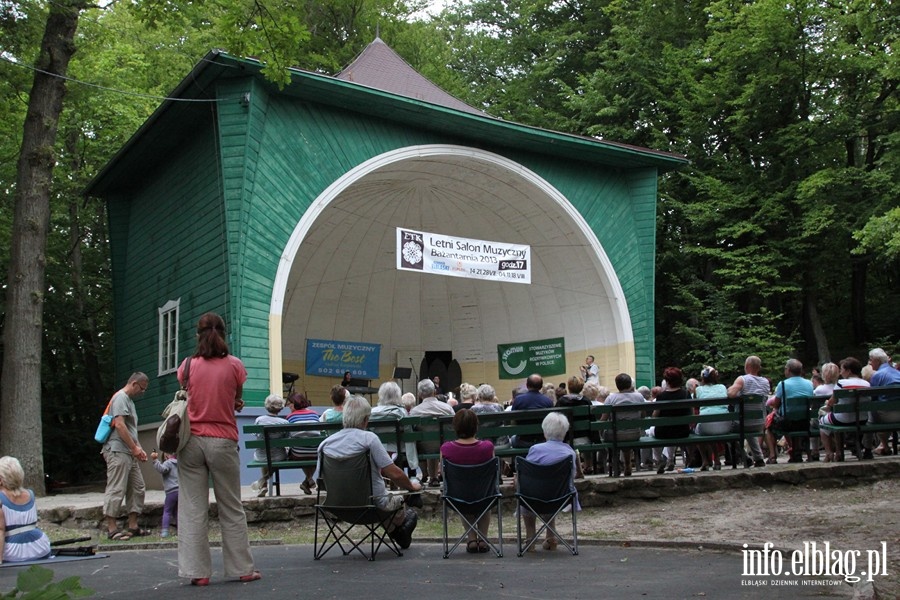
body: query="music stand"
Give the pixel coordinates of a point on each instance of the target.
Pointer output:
(402, 373)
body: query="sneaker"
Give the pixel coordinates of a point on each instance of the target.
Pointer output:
(164, 533)
(402, 534)
(759, 463)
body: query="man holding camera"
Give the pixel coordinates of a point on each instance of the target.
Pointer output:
(590, 371)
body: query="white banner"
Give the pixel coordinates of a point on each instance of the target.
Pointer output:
(462, 257)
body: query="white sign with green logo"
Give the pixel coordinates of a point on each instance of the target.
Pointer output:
(544, 357)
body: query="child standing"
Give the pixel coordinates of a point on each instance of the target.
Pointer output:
(169, 471)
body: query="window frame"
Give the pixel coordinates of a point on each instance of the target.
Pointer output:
(168, 336)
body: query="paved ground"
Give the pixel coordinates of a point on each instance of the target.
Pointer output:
(291, 572)
(620, 570)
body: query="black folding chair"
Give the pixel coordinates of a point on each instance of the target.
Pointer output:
(348, 503)
(544, 490)
(472, 491)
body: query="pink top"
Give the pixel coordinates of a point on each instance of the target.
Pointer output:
(214, 384)
(468, 454)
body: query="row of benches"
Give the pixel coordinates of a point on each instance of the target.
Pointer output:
(588, 423)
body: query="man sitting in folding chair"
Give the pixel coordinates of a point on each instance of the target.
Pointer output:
(545, 486)
(354, 440)
(471, 486)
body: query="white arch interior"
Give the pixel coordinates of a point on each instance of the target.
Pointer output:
(338, 279)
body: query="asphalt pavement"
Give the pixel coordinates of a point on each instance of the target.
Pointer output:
(598, 571)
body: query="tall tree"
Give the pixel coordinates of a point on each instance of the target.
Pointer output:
(20, 431)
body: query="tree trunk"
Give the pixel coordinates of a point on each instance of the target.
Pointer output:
(858, 272)
(816, 329)
(20, 391)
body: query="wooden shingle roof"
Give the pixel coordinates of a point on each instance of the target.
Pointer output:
(379, 67)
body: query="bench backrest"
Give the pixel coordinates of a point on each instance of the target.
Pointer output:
(864, 400)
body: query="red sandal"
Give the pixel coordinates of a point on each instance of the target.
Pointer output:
(251, 577)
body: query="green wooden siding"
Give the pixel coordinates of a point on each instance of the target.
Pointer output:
(207, 220)
(300, 148)
(170, 230)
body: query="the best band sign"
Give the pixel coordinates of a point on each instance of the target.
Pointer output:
(462, 257)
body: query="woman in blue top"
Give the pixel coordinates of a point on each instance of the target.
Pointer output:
(21, 539)
(555, 449)
(711, 388)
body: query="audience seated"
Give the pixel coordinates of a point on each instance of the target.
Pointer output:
(555, 449)
(851, 378)
(430, 406)
(466, 449)
(302, 413)
(625, 396)
(751, 384)
(273, 404)
(674, 390)
(711, 388)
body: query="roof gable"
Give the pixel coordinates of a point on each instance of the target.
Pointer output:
(379, 67)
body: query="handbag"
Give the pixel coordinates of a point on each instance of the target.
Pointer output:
(104, 428)
(175, 430)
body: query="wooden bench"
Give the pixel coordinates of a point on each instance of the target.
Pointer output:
(586, 422)
(303, 435)
(609, 426)
(863, 401)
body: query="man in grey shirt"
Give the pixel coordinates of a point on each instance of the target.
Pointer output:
(625, 396)
(123, 455)
(354, 439)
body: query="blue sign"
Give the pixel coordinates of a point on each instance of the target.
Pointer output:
(332, 358)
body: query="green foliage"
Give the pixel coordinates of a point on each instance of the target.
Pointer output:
(789, 116)
(880, 236)
(36, 583)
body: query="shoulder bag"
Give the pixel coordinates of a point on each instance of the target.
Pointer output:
(175, 430)
(104, 428)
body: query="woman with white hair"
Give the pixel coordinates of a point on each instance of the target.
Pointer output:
(555, 449)
(274, 403)
(21, 539)
(390, 408)
(486, 400)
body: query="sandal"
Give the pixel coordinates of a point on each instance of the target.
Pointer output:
(118, 535)
(472, 547)
(307, 489)
(138, 532)
(482, 547)
(255, 575)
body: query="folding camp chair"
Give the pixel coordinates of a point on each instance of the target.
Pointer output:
(347, 483)
(544, 490)
(472, 491)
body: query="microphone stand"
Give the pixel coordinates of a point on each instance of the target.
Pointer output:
(416, 375)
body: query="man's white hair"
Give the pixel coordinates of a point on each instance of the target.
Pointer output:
(356, 412)
(878, 355)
